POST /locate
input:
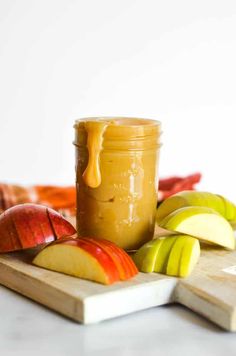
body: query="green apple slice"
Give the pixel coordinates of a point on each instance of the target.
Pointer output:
(183, 257)
(194, 198)
(145, 257)
(189, 257)
(163, 254)
(203, 223)
(229, 210)
(173, 263)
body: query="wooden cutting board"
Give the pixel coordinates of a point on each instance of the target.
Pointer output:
(209, 291)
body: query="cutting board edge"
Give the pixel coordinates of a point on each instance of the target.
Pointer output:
(204, 304)
(95, 304)
(55, 298)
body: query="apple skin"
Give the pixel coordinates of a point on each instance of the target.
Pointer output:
(28, 225)
(131, 267)
(145, 257)
(174, 255)
(173, 263)
(203, 223)
(189, 256)
(123, 261)
(97, 257)
(183, 256)
(70, 258)
(163, 253)
(60, 225)
(102, 257)
(230, 210)
(194, 198)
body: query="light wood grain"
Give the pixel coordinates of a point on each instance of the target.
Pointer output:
(209, 291)
(82, 300)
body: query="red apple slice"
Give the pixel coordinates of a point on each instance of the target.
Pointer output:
(9, 238)
(32, 225)
(131, 265)
(127, 263)
(28, 225)
(80, 258)
(60, 226)
(118, 258)
(104, 258)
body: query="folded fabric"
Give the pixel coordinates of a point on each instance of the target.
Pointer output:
(63, 199)
(60, 198)
(172, 185)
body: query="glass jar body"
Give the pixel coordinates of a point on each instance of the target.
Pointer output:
(122, 208)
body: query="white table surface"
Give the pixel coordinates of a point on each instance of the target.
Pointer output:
(27, 328)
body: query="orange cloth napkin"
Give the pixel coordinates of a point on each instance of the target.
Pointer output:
(63, 199)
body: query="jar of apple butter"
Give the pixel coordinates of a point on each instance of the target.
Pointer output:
(117, 178)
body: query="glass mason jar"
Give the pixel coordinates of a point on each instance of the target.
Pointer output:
(117, 179)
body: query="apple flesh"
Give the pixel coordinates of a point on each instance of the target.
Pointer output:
(122, 260)
(130, 267)
(172, 267)
(87, 258)
(153, 255)
(174, 255)
(74, 260)
(193, 198)
(189, 257)
(145, 257)
(183, 257)
(203, 223)
(28, 225)
(163, 255)
(101, 255)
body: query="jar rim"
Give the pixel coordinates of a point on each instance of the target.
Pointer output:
(121, 121)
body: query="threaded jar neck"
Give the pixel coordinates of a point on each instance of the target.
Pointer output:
(122, 133)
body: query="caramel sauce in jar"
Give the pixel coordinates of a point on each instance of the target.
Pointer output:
(117, 178)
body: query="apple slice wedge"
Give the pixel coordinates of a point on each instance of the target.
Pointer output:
(173, 263)
(203, 223)
(195, 198)
(123, 261)
(130, 266)
(183, 256)
(103, 257)
(145, 257)
(163, 253)
(189, 256)
(79, 258)
(117, 259)
(28, 225)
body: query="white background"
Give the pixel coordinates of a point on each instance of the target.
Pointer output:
(170, 60)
